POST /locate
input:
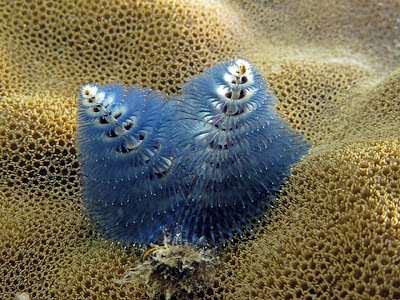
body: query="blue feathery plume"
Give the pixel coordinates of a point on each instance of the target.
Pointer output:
(220, 145)
(128, 153)
(237, 151)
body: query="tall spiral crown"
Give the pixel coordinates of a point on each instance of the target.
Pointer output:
(238, 150)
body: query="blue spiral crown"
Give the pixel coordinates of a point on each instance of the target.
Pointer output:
(200, 165)
(237, 153)
(128, 159)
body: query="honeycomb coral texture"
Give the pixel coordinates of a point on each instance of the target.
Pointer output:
(346, 238)
(60, 45)
(334, 67)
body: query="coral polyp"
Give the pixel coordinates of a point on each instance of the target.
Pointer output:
(128, 161)
(237, 151)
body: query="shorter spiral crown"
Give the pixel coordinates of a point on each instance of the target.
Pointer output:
(129, 159)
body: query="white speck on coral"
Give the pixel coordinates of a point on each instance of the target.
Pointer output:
(22, 296)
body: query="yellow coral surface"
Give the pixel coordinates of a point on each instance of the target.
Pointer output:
(335, 69)
(337, 234)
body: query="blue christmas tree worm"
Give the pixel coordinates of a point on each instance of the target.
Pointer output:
(199, 165)
(237, 151)
(128, 161)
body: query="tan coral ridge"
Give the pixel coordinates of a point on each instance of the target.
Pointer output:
(319, 97)
(380, 111)
(59, 45)
(41, 217)
(362, 31)
(338, 236)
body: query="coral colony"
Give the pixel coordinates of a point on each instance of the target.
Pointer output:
(199, 165)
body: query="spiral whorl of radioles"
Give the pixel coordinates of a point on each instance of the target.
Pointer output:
(238, 151)
(128, 158)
